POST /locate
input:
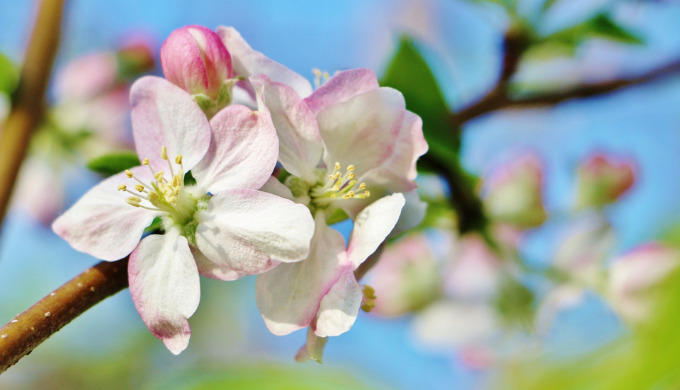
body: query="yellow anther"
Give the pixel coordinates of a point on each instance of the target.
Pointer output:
(133, 201)
(176, 181)
(153, 197)
(164, 153)
(349, 195)
(326, 76)
(337, 166)
(350, 168)
(178, 159)
(122, 187)
(350, 176)
(369, 298)
(145, 161)
(159, 175)
(367, 193)
(128, 173)
(139, 187)
(362, 186)
(317, 72)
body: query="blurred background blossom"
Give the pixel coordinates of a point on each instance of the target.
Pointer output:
(576, 257)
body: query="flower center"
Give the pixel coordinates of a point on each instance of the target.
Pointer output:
(338, 185)
(165, 194)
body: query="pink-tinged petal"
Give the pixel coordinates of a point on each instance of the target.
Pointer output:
(412, 214)
(300, 143)
(86, 77)
(213, 270)
(340, 307)
(195, 59)
(372, 226)
(165, 287)
(275, 187)
(165, 115)
(248, 62)
(409, 145)
(341, 87)
(248, 231)
(562, 298)
(242, 153)
(101, 223)
(289, 295)
(362, 130)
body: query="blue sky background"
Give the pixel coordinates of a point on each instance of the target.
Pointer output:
(461, 40)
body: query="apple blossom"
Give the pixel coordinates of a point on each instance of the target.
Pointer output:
(322, 291)
(221, 227)
(635, 275)
(602, 179)
(195, 59)
(407, 276)
(514, 193)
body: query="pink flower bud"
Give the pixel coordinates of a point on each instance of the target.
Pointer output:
(514, 193)
(602, 179)
(635, 276)
(195, 59)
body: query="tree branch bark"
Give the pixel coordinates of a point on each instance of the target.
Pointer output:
(496, 99)
(27, 330)
(27, 105)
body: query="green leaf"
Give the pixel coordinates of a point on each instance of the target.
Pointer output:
(410, 74)
(155, 227)
(599, 26)
(110, 164)
(9, 75)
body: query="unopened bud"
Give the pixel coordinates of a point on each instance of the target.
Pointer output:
(195, 59)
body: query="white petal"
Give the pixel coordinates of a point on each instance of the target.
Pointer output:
(372, 225)
(101, 223)
(248, 230)
(275, 187)
(362, 131)
(339, 308)
(448, 324)
(247, 62)
(166, 115)
(213, 270)
(341, 87)
(300, 142)
(289, 295)
(242, 152)
(165, 287)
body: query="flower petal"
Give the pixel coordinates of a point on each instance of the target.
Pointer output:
(165, 287)
(372, 225)
(289, 295)
(101, 223)
(247, 62)
(340, 306)
(341, 87)
(301, 146)
(213, 270)
(163, 114)
(247, 231)
(362, 130)
(242, 152)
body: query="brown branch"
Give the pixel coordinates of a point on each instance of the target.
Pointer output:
(35, 325)
(27, 103)
(496, 100)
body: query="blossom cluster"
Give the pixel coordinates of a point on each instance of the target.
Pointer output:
(244, 168)
(475, 294)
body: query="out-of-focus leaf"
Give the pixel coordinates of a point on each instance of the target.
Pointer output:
(9, 75)
(110, 164)
(599, 26)
(409, 73)
(546, 6)
(263, 377)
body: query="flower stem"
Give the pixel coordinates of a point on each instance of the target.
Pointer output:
(27, 103)
(35, 325)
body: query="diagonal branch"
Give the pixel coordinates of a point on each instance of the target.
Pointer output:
(27, 103)
(497, 99)
(35, 325)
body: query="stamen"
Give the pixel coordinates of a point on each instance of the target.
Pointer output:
(178, 159)
(122, 187)
(145, 161)
(164, 153)
(128, 173)
(139, 187)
